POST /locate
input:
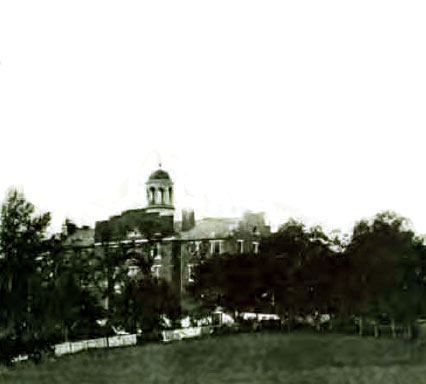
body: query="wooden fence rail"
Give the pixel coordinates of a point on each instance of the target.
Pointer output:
(123, 341)
(104, 342)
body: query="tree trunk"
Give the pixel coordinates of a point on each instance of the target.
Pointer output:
(288, 319)
(409, 332)
(376, 330)
(65, 333)
(360, 324)
(273, 302)
(393, 328)
(318, 324)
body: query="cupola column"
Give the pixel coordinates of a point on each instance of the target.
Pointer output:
(170, 195)
(166, 196)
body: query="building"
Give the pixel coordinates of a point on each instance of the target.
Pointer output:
(171, 248)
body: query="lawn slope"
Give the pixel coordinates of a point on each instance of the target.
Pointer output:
(243, 358)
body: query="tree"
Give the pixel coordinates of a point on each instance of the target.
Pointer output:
(72, 307)
(302, 270)
(139, 300)
(22, 245)
(229, 281)
(385, 274)
(142, 303)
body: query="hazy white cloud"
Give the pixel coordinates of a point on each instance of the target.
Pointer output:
(310, 109)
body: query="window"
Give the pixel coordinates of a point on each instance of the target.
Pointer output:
(133, 234)
(133, 270)
(156, 270)
(216, 247)
(155, 251)
(191, 273)
(192, 248)
(255, 246)
(240, 246)
(117, 288)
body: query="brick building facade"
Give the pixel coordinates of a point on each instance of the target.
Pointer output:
(172, 248)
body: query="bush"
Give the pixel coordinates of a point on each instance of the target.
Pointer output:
(271, 325)
(34, 348)
(344, 324)
(149, 337)
(7, 350)
(90, 330)
(225, 330)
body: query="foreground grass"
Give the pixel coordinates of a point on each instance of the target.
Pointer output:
(243, 358)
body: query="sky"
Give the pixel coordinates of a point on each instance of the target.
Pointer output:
(308, 109)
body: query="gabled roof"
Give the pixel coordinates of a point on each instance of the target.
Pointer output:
(211, 228)
(249, 225)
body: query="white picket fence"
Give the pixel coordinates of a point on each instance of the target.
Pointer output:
(123, 341)
(185, 333)
(104, 342)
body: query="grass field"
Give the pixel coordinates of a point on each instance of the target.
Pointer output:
(241, 358)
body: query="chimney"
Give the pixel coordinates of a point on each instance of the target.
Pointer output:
(188, 219)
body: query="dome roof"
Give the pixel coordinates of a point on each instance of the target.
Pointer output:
(159, 175)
